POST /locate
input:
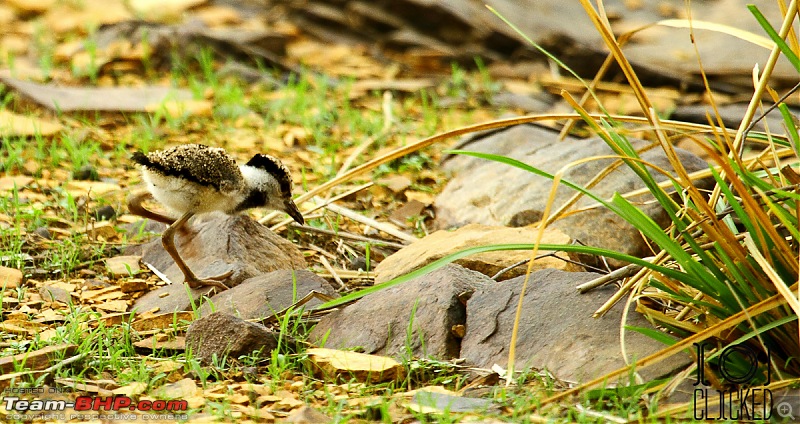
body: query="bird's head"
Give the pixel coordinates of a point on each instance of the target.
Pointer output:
(269, 185)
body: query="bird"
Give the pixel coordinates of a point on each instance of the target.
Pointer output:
(191, 179)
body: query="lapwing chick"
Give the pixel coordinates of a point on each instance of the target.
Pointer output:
(193, 179)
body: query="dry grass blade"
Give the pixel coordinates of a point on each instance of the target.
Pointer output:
(604, 29)
(386, 228)
(500, 123)
(716, 27)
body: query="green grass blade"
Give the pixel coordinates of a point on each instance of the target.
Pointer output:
(670, 273)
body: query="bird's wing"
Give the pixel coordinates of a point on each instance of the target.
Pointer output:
(201, 164)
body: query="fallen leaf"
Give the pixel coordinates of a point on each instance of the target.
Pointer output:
(178, 390)
(84, 387)
(38, 359)
(10, 278)
(8, 183)
(161, 10)
(178, 108)
(24, 327)
(161, 321)
(155, 343)
(333, 363)
(132, 389)
(95, 188)
(113, 306)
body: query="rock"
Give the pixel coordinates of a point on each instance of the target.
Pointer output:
(379, 322)
(449, 402)
(266, 294)
(139, 230)
(217, 243)
(43, 232)
(214, 245)
(402, 215)
(171, 298)
(226, 336)
(105, 213)
(396, 183)
(442, 243)
(307, 415)
(492, 193)
(660, 53)
(55, 294)
(10, 278)
(86, 173)
(123, 266)
(556, 330)
(331, 364)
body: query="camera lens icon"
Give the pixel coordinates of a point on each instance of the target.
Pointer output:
(784, 410)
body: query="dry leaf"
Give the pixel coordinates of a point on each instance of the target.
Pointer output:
(113, 305)
(156, 343)
(8, 183)
(23, 327)
(133, 389)
(161, 321)
(12, 124)
(38, 359)
(353, 365)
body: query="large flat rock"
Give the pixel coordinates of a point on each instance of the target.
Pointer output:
(557, 331)
(416, 317)
(212, 245)
(492, 193)
(442, 243)
(266, 294)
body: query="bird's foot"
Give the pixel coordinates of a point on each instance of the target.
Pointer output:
(215, 281)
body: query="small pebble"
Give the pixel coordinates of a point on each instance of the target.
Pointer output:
(40, 274)
(358, 263)
(105, 213)
(43, 232)
(86, 173)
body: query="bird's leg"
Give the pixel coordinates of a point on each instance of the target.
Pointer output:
(136, 208)
(168, 239)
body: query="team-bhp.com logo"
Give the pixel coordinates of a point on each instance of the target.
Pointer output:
(110, 407)
(741, 402)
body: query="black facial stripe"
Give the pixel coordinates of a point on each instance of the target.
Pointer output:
(145, 161)
(274, 168)
(254, 199)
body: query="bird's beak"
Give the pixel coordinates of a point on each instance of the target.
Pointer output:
(292, 210)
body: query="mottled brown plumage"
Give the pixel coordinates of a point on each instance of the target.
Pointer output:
(209, 166)
(193, 178)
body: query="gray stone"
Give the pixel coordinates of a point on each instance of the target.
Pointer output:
(266, 294)
(224, 335)
(379, 322)
(493, 193)
(556, 331)
(213, 245)
(172, 298)
(55, 294)
(307, 415)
